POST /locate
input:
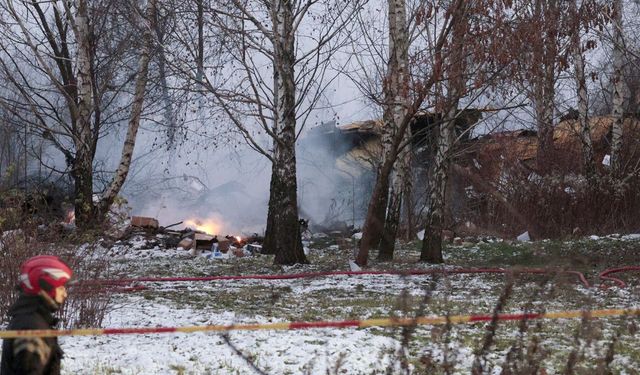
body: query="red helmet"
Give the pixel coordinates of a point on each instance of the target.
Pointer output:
(43, 272)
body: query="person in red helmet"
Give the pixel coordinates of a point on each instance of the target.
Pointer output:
(42, 283)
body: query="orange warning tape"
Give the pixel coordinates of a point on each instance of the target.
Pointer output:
(382, 322)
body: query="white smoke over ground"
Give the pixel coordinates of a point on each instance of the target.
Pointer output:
(222, 190)
(215, 181)
(331, 193)
(225, 191)
(212, 179)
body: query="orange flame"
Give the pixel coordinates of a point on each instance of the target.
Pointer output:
(207, 226)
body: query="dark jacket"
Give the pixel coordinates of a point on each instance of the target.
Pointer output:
(31, 355)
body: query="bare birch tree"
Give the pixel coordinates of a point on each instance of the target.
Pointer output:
(399, 196)
(400, 101)
(136, 110)
(161, 24)
(397, 88)
(455, 80)
(585, 16)
(277, 56)
(619, 89)
(582, 94)
(544, 62)
(67, 62)
(429, 67)
(395, 107)
(477, 61)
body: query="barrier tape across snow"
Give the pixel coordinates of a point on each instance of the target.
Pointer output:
(382, 322)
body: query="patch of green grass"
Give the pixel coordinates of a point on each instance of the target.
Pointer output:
(104, 369)
(322, 243)
(180, 370)
(580, 255)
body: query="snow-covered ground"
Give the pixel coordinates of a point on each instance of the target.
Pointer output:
(275, 352)
(348, 351)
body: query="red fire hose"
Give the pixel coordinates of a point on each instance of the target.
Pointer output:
(604, 275)
(122, 283)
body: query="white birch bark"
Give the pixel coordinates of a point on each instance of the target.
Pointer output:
(543, 81)
(84, 84)
(432, 245)
(136, 110)
(377, 204)
(398, 196)
(396, 82)
(395, 107)
(583, 109)
(619, 90)
(82, 171)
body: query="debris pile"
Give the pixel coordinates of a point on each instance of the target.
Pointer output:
(147, 234)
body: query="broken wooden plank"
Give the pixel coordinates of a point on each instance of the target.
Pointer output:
(144, 222)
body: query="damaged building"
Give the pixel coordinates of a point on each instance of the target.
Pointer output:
(353, 151)
(481, 165)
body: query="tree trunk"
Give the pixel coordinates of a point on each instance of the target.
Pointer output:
(387, 242)
(432, 244)
(618, 91)
(287, 239)
(408, 203)
(169, 112)
(544, 60)
(395, 112)
(134, 117)
(269, 243)
(200, 54)
(544, 117)
(374, 221)
(583, 109)
(83, 192)
(83, 161)
(545, 140)
(285, 230)
(396, 197)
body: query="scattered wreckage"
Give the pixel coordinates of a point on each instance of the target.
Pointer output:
(196, 241)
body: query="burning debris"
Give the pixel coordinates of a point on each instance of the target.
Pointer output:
(199, 237)
(189, 242)
(238, 242)
(207, 226)
(127, 234)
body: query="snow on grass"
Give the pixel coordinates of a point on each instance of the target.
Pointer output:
(277, 352)
(356, 351)
(631, 237)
